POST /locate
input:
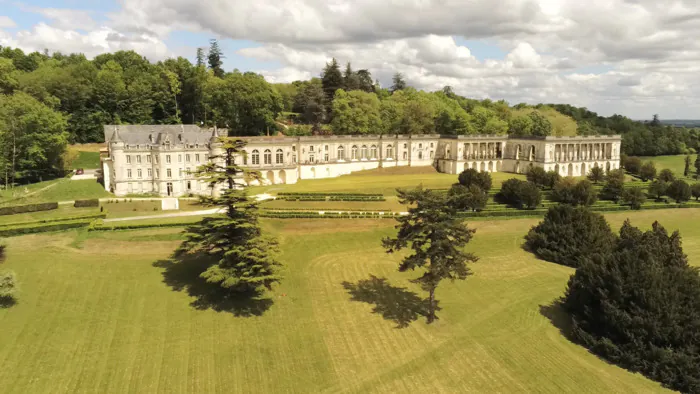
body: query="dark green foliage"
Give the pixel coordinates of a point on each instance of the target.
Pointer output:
(86, 203)
(569, 191)
(639, 307)
(34, 228)
(241, 257)
(648, 171)
(635, 197)
(658, 188)
(436, 238)
(633, 165)
(666, 175)
(552, 178)
(8, 289)
(538, 176)
(686, 169)
(520, 194)
(568, 234)
(697, 165)
(679, 190)
(397, 83)
(2, 251)
(471, 198)
(614, 185)
(332, 80)
(541, 126)
(471, 177)
(28, 208)
(596, 175)
(215, 59)
(695, 191)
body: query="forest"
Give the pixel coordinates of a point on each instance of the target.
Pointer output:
(50, 100)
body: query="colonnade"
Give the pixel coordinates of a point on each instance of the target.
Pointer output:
(581, 151)
(482, 150)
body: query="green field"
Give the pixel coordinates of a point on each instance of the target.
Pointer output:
(104, 312)
(674, 163)
(87, 160)
(62, 189)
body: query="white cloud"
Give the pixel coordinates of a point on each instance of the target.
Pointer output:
(6, 22)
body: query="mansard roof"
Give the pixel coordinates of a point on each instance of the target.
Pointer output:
(142, 134)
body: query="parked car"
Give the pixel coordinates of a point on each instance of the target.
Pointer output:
(79, 171)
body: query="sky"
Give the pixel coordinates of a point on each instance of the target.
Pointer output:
(631, 57)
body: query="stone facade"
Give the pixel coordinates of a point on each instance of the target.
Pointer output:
(157, 159)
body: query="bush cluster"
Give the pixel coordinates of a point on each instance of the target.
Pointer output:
(28, 208)
(520, 194)
(86, 203)
(470, 177)
(569, 191)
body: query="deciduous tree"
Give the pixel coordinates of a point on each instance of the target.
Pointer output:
(596, 175)
(658, 188)
(648, 171)
(614, 185)
(398, 83)
(471, 198)
(356, 112)
(666, 175)
(635, 197)
(471, 176)
(679, 190)
(436, 239)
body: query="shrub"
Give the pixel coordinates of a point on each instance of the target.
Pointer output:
(666, 175)
(530, 195)
(596, 174)
(471, 176)
(28, 208)
(568, 191)
(568, 233)
(679, 190)
(635, 197)
(538, 176)
(552, 178)
(86, 203)
(639, 307)
(658, 188)
(520, 194)
(633, 165)
(8, 288)
(467, 198)
(614, 185)
(2, 251)
(695, 191)
(648, 171)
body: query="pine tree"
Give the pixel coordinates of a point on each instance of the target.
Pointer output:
(242, 258)
(697, 166)
(435, 236)
(351, 80)
(686, 170)
(398, 83)
(200, 57)
(331, 80)
(215, 59)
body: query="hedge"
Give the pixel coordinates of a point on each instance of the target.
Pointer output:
(65, 219)
(47, 206)
(138, 226)
(42, 228)
(333, 194)
(86, 203)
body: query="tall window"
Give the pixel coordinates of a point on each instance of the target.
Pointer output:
(364, 151)
(179, 158)
(341, 153)
(169, 173)
(167, 159)
(138, 159)
(149, 172)
(128, 159)
(373, 152)
(187, 158)
(256, 157)
(157, 173)
(279, 156)
(128, 173)
(268, 156)
(325, 156)
(389, 152)
(353, 153)
(311, 148)
(148, 159)
(420, 146)
(405, 155)
(312, 157)
(196, 157)
(139, 173)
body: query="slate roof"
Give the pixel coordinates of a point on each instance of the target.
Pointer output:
(141, 134)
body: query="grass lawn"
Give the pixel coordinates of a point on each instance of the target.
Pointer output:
(62, 189)
(87, 160)
(674, 163)
(103, 312)
(63, 211)
(383, 181)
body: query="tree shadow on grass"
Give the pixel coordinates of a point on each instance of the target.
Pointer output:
(182, 274)
(7, 302)
(393, 303)
(556, 314)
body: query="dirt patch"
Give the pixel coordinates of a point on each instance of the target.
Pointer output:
(94, 147)
(325, 226)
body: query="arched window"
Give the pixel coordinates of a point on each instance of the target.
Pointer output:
(364, 151)
(268, 156)
(420, 155)
(420, 146)
(431, 144)
(279, 156)
(256, 157)
(405, 155)
(341, 153)
(353, 152)
(373, 152)
(389, 152)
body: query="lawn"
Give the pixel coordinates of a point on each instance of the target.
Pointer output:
(384, 181)
(62, 189)
(103, 312)
(87, 160)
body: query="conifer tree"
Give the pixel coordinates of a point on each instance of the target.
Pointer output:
(697, 165)
(215, 56)
(435, 236)
(686, 170)
(398, 83)
(331, 80)
(200, 57)
(242, 258)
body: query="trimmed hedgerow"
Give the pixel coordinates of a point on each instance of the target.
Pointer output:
(87, 203)
(28, 208)
(43, 228)
(72, 218)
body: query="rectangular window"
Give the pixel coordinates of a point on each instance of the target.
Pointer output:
(157, 158)
(180, 172)
(325, 156)
(128, 159)
(150, 173)
(138, 159)
(187, 158)
(179, 158)
(196, 157)
(157, 173)
(148, 159)
(167, 159)
(128, 173)
(139, 174)
(312, 158)
(169, 173)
